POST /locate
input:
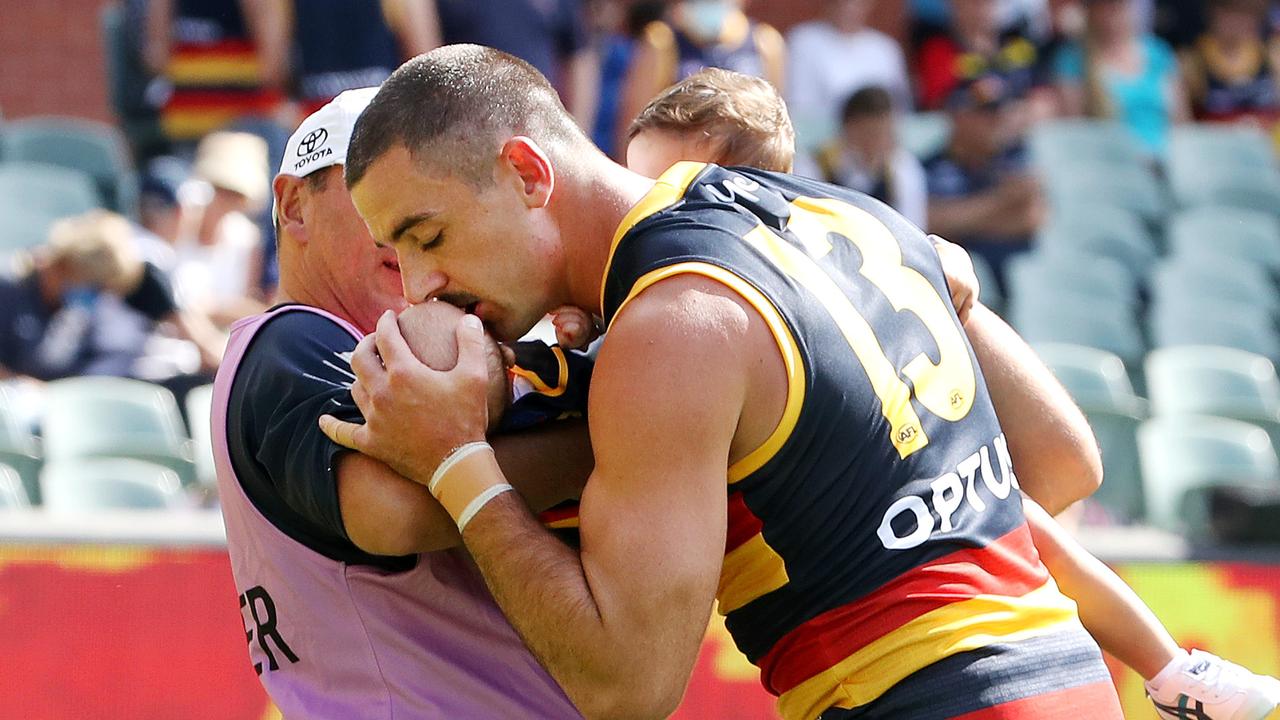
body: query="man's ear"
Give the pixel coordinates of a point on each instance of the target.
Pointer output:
(532, 168)
(287, 191)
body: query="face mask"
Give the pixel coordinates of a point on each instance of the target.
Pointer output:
(706, 18)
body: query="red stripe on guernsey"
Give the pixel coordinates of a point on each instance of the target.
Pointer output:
(743, 524)
(220, 49)
(558, 513)
(252, 98)
(1008, 566)
(1096, 701)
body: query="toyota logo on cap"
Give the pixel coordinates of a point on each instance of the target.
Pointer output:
(311, 141)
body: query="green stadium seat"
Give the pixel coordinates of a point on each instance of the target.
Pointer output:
(1243, 234)
(18, 447)
(1189, 320)
(1052, 275)
(1059, 143)
(924, 134)
(1095, 378)
(102, 417)
(1185, 455)
(988, 287)
(1218, 381)
(199, 405)
(13, 494)
(45, 190)
(1100, 230)
(1128, 187)
(110, 484)
(1079, 319)
(97, 149)
(1121, 493)
(1249, 186)
(1194, 146)
(1217, 278)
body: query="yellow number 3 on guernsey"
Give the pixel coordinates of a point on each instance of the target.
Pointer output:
(945, 389)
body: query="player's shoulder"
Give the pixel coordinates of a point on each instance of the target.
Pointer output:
(296, 337)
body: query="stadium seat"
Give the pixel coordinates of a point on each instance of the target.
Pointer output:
(1100, 230)
(48, 190)
(1255, 187)
(1238, 233)
(1079, 319)
(988, 287)
(110, 484)
(924, 134)
(1133, 188)
(115, 417)
(1218, 279)
(1189, 320)
(97, 149)
(1060, 143)
(1064, 272)
(1184, 455)
(1215, 381)
(1207, 145)
(199, 404)
(1099, 383)
(19, 450)
(13, 494)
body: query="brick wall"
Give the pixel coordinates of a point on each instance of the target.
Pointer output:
(51, 59)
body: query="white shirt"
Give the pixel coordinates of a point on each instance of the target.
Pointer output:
(206, 276)
(826, 66)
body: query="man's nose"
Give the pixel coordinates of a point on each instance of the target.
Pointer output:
(420, 284)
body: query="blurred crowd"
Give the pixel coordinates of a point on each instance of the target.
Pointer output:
(206, 91)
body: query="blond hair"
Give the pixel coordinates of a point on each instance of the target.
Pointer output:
(98, 248)
(743, 116)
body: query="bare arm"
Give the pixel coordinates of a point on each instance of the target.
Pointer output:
(1109, 609)
(271, 27)
(155, 53)
(416, 24)
(1010, 210)
(1053, 448)
(385, 513)
(644, 79)
(584, 79)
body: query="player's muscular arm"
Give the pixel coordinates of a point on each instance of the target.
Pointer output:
(385, 513)
(1054, 452)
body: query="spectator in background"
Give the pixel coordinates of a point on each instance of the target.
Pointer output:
(832, 58)
(976, 46)
(1114, 71)
(219, 249)
(616, 25)
(550, 35)
(866, 156)
(700, 33)
(1231, 70)
(86, 303)
(342, 45)
(981, 195)
(215, 65)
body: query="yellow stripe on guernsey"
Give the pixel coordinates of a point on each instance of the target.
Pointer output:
(959, 627)
(562, 376)
(206, 70)
(749, 571)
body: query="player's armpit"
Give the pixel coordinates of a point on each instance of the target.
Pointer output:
(619, 625)
(385, 513)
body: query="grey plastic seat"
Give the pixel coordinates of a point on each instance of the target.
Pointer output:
(82, 484)
(1132, 188)
(1243, 234)
(94, 148)
(1066, 273)
(1094, 378)
(1100, 230)
(1194, 146)
(988, 287)
(1184, 320)
(1217, 279)
(1079, 319)
(1216, 381)
(1184, 455)
(19, 449)
(13, 494)
(44, 190)
(199, 405)
(1255, 187)
(1121, 493)
(1071, 141)
(116, 417)
(923, 134)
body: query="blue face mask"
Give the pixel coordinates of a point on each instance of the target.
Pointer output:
(79, 296)
(706, 18)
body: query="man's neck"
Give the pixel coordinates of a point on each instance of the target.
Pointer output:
(305, 288)
(591, 212)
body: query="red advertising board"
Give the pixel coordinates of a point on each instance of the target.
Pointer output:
(110, 632)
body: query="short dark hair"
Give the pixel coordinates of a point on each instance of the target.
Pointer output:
(448, 107)
(868, 102)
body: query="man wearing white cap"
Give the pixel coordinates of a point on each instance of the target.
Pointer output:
(350, 610)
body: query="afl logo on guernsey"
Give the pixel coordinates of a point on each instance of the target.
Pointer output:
(311, 148)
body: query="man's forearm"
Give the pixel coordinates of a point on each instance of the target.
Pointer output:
(1053, 448)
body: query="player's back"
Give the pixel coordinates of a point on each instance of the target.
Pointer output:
(877, 561)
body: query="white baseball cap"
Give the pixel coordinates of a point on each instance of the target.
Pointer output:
(321, 140)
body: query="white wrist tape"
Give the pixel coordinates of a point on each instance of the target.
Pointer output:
(479, 502)
(458, 455)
